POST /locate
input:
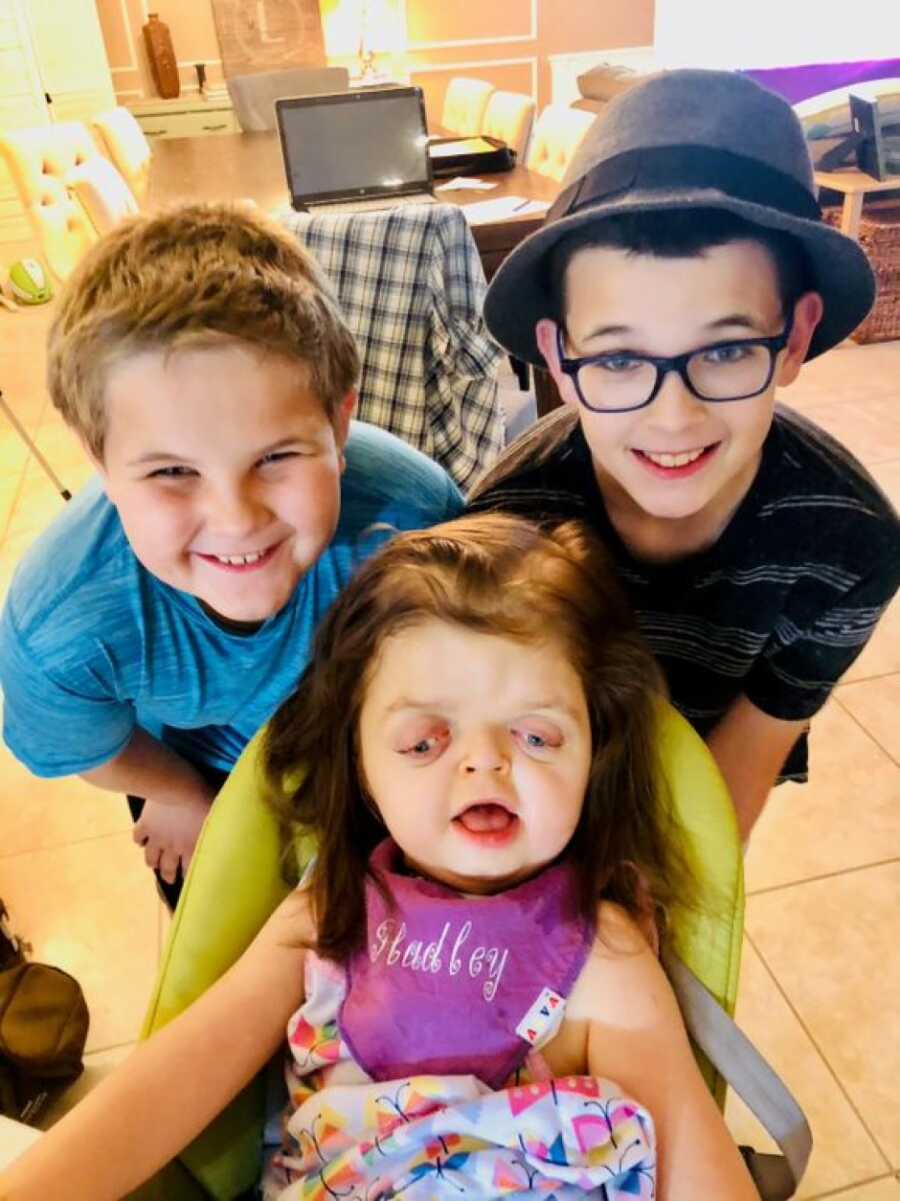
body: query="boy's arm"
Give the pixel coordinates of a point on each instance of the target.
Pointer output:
(172, 1086)
(147, 767)
(178, 799)
(749, 743)
(750, 748)
(636, 1038)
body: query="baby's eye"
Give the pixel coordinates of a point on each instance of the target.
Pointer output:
(539, 738)
(422, 747)
(425, 745)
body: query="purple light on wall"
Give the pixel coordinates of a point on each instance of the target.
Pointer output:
(798, 83)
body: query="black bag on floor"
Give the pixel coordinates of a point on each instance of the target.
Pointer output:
(43, 1029)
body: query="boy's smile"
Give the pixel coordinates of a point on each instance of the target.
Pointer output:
(225, 472)
(673, 472)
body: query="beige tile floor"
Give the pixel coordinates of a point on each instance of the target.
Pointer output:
(820, 988)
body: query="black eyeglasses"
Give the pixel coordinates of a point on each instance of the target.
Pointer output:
(620, 381)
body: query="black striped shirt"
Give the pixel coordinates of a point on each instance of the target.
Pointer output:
(778, 607)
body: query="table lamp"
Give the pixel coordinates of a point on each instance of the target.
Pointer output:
(363, 29)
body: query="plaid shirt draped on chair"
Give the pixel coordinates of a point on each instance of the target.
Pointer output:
(411, 285)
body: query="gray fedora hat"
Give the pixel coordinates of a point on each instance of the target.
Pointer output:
(688, 139)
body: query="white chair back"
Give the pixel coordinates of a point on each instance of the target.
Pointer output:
(510, 116)
(464, 105)
(558, 133)
(40, 162)
(125, 145)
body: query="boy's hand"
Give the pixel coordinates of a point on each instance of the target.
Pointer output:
(168, 828)
(169, 833)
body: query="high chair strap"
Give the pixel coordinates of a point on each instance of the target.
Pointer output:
(735, 1057)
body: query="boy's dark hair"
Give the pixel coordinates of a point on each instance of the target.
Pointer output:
(499, 575)
(679, 233)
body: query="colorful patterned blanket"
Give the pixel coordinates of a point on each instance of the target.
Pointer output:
(432, 1137)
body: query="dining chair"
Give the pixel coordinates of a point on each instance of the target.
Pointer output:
(509, 116)
(40, 161)
(558, 132)
(411, 285)
(254, 96)
(124, 143)
(464, 104)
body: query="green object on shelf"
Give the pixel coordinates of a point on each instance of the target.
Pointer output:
(29, 283)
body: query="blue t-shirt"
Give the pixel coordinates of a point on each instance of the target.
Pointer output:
(92, 645)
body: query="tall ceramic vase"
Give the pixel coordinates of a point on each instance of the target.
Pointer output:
(163, 65)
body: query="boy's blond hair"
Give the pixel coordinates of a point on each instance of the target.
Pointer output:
(196, 276)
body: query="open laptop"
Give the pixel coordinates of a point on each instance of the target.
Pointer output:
(355, 150)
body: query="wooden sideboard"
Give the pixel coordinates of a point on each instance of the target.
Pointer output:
(191, 116)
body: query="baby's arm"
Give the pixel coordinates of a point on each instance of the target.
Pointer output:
(636, 1038)
(173, 1085)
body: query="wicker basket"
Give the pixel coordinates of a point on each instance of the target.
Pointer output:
(879, 236)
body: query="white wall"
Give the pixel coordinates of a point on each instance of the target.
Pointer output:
(774, 33)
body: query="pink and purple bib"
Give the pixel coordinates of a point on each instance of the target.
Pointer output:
(454, 985)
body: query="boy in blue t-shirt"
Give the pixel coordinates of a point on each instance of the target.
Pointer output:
(202, 362)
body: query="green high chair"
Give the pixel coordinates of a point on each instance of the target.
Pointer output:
(237, 878)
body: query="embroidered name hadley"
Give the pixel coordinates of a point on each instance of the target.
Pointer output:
(449, 953)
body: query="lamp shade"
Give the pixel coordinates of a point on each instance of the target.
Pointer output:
(375, 25)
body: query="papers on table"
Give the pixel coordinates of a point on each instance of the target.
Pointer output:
(502, 207)
(462, 182)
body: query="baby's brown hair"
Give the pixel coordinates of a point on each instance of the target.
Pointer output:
(506, 576)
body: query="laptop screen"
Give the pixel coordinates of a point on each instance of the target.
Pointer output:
(354, 144)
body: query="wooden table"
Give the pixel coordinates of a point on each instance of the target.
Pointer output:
(236, 165)
(854, 185)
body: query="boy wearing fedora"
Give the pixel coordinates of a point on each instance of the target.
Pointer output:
(681, 277)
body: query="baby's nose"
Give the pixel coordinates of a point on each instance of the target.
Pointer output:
(485, 752)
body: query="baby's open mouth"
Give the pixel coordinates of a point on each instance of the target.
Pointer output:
(486, 817)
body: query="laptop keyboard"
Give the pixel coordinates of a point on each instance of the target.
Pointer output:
(368, 206)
